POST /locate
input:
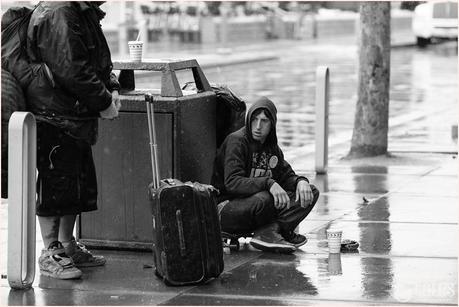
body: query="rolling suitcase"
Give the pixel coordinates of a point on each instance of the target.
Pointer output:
(186, 230)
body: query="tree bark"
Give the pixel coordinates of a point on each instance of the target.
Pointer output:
(371, 120)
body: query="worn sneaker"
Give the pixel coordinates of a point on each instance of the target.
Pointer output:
(54, 262)
(295, 239)
(268, 239)
(81, 256)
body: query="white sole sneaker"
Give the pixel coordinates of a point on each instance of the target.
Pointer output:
(95, 261)
(300, 244)
(272, 247)
(69, 274)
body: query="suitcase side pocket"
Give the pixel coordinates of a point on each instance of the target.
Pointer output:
(213, 249)
(215, 233)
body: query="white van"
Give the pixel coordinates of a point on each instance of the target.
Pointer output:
(436, 19)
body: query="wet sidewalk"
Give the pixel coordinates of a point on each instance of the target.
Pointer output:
(402, 210)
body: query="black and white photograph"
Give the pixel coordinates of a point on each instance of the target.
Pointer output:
(205, 153)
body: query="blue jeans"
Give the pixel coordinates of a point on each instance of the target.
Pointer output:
(244, 215)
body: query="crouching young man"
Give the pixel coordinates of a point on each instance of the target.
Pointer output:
(259, 191)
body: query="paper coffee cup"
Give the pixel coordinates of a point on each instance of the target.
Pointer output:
(334, 240)
(135, 51)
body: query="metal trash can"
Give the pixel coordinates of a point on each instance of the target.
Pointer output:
(186, 145)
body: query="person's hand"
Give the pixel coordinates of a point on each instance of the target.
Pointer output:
(304, 193)
(116, 100)
(281, 198)
(109, 113)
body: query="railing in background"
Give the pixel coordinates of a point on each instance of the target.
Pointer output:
(321, 132)
(22, 148)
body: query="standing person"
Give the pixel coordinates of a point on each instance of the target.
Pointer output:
(74, 85)
(259, 191)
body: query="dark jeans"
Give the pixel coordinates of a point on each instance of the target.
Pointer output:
(66, 182)
(244, 215)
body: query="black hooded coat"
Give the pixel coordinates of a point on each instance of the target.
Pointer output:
(244, 166)
(75, 80)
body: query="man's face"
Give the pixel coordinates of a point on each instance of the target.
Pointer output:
(261, 126)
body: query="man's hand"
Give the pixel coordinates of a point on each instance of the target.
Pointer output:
(109, 113)
(281, 198)
(116, 100)
(304, 193)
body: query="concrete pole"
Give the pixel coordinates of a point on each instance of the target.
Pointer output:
(122, 26)
(321, 133)
(22, 160)
(224, 12)
(143, 26)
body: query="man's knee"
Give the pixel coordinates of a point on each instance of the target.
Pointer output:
(263, 206)
(263, 200)
(247, 214)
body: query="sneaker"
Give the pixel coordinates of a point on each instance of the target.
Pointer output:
(81, 256)
(268, 239)
(55, 263)
(295, 239)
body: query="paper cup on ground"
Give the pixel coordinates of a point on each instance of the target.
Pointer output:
(135, 50)
(334, 240)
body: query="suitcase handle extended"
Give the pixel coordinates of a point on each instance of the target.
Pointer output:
(153, 143)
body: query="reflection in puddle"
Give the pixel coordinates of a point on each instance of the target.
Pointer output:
(334, 264)
(21, 297)
(377, 277)
(271, 275)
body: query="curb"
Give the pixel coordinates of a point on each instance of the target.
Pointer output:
(212, 63)
(243, 60)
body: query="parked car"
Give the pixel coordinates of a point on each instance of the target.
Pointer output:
(434, 20)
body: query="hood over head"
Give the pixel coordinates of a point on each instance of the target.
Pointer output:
(271, 112)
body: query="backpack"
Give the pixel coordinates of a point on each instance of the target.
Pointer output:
(16, 75)
(12, 100)
(231, 110)
(15, 22)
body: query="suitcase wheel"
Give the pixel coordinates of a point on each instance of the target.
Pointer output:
(235, 245)
(232, 244)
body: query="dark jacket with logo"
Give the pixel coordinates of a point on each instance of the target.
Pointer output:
(244, 166)
(75, 81)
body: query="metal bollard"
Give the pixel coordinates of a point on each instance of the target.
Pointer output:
(22, 149)
(321, 133)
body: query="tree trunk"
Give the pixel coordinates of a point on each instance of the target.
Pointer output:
(371, 121)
